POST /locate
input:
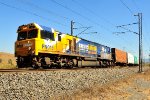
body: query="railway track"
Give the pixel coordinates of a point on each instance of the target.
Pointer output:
(35, 70)
(54, 69)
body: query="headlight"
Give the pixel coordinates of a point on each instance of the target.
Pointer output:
(29, 48)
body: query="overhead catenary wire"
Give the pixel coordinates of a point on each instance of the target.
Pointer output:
(77, 13)
(35, 14)
(31, 13)
(131, 12)
(129, 9)
(138, 8)
(146, 38)
(48, 11)
(43, 9)
(129, 30)
(92, 12)
(84, 17)
(71, 10)
(99, 16)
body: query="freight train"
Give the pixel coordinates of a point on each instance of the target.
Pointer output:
(40, 46)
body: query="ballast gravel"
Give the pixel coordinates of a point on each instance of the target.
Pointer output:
(44, 85)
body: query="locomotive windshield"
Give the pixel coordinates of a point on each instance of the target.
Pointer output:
(27, 34)
(22, 35)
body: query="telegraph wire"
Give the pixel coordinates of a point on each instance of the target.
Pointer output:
(31, 13)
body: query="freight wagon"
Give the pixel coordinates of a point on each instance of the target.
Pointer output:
(136, 61)
(40, 46)
(119, 57)
(130, 59)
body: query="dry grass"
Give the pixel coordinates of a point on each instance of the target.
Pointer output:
(7, 61)
(96, 92)
(7, 66)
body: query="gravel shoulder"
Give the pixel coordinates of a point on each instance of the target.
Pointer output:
(134, 87)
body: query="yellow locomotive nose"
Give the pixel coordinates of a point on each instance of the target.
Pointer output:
(24, 48)
(25, 44)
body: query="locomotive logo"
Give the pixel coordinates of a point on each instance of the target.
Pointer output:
(103, 49)
(46, 44)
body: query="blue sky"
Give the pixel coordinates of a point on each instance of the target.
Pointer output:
(102, 15)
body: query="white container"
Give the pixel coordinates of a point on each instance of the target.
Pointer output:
(130, 58)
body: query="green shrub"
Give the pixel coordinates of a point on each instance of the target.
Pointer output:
(10, 62)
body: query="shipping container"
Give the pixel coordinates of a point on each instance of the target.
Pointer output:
(130, 58)
(119, 56)
(136, 60)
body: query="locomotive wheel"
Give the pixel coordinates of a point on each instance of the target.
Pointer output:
(19, 62)
(19, 65)
(34, 65)
(70, 65)
(49, 66)
(59, 66)
(45, 67)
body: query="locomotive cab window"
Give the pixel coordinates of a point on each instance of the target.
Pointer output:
(22, 36)
(59, 37)
(27, 34)
(32, 33)
(47, 35)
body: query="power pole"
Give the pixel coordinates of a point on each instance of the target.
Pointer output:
(149, 59)
(140, 41)
(72, 23)
(85, 28)
(140, 37)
